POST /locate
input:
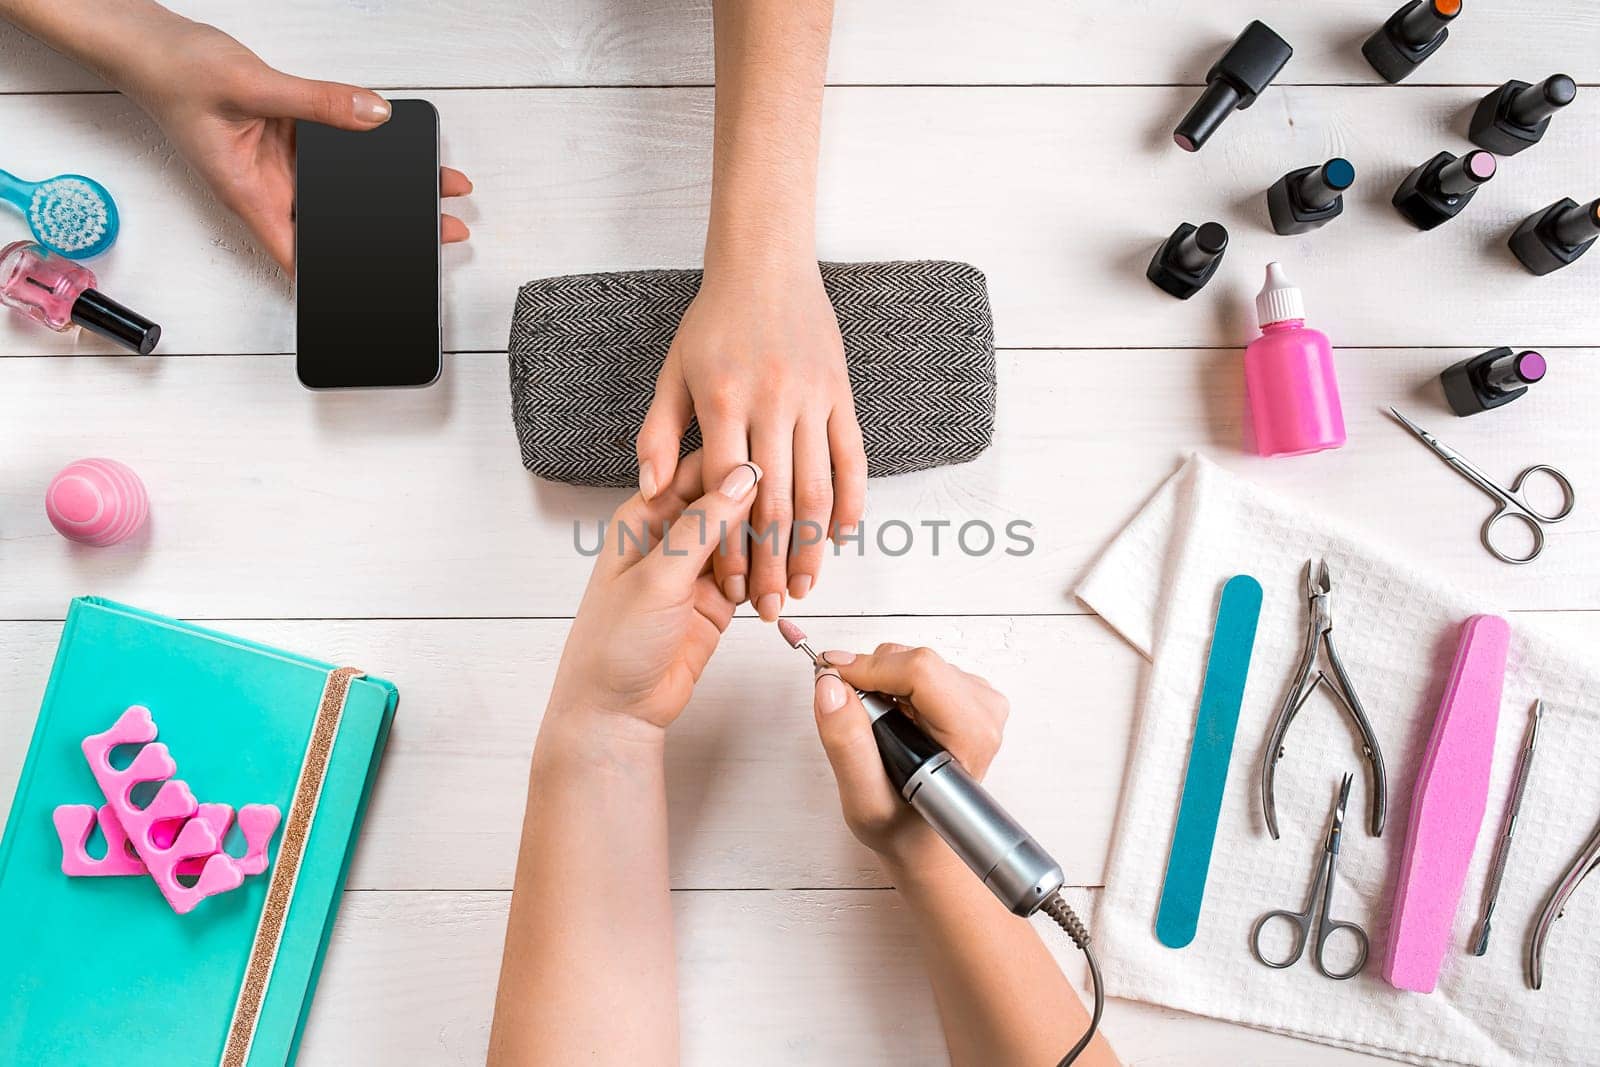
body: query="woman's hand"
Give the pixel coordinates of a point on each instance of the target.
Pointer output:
(959, 710)
(759, 362)
(232, 117)
(650, 620)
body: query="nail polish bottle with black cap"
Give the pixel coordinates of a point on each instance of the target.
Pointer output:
(1436, 192)
(1233, 83)
(1411, 35)
(61, 294)
(1555, 237)
(1489, 380)
(1305, 199)
(1515, 116)
(1187, 260)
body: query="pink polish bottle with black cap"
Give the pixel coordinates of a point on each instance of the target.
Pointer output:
(1289, 374)
(61, 294)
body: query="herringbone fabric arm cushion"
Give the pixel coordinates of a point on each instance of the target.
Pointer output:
(586, 349)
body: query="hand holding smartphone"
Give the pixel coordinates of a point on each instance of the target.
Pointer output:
(367, 307)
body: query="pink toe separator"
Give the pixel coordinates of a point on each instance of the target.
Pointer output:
(173, 836)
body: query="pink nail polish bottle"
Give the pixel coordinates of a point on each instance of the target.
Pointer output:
(59, 293)
(1288, 372)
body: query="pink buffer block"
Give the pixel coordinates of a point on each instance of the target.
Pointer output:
(97, 502)
(166, 835)
(1447, 807)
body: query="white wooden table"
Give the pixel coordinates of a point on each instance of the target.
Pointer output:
(398, 530)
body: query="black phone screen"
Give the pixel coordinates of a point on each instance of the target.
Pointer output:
(367, 251)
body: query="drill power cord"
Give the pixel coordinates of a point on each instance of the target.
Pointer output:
(1058, 909)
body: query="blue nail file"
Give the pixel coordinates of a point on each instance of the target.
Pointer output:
(1232, 641)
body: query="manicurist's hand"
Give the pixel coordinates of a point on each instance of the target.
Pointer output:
(1001, 995)
(589, 973)
(758, 360)
(961, 711)
(229, 114)
(650, 620)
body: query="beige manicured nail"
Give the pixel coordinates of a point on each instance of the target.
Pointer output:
(647, 481)
(799, 586)
(769, 606)
(839, 658)
(369, 107)
(740, 481)
(830, 692)
(734, 589)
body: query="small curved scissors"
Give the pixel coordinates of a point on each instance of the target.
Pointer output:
(1513, 505)
(1321, 886)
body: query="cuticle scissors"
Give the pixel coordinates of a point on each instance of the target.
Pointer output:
(1512, 505)
(1326, 926)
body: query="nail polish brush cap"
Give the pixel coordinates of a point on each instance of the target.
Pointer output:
(100, 314)
(1279, 301)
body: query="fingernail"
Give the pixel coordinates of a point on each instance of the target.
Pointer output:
(740, 480)
(839, 658)
(369, 107)
(769, 606)
(647, 481)
(799, 586)
(830, 692)
(733, 589)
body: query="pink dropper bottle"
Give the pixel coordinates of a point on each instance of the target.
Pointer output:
(1288, 372)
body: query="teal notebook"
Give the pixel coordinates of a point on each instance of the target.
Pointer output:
(102, 970)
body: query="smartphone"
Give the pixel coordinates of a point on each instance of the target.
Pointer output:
(367, 252)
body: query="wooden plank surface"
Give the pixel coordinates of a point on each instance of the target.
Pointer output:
(668, 42)
(398, 531)
(1059, 195)
(767, 977)
(268, 501)
(753, 805)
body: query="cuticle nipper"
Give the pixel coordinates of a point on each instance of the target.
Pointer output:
(1319, 635)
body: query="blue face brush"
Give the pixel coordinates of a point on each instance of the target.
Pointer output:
(69, 214)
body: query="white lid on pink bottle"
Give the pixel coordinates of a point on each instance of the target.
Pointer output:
(1279, 301)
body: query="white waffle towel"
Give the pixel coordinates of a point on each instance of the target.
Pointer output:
(1396, 630)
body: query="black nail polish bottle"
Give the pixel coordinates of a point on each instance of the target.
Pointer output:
(1436, 192)
(1233, 83)
(1305, 199)
(1491, 379)
(1410, 36)
(1515, 116)
(1187, 260)
(1555, 237)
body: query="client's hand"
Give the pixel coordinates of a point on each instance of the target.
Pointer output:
(759, 362)
(650, 620)
(959, 710)
(232, 117)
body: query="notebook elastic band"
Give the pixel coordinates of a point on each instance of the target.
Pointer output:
(285, 873)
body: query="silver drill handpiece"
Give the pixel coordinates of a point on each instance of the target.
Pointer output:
(989, 841)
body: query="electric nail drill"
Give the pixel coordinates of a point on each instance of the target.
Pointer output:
(1439, 189)
(1515, 116)
(1490, 379)
(1233, 83)
(1020, 873)
(1548, 240)
(1410, 35)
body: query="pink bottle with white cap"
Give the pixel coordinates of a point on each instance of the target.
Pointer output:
(1288, 372)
